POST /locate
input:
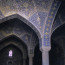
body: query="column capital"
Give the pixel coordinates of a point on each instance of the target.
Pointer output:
(45, 48)
(31, 55)
(31, 52)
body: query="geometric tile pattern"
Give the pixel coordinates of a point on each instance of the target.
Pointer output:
(35, 11)
(49, 23)
(29, 9)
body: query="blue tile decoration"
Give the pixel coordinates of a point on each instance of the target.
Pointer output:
(35, 11)
(49, 23)
(42, 16)
(28, 9)
(38, 20)
(43, 5)
(25, 8)
(18, 29)
(15, 6)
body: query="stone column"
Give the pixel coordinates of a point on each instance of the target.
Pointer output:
(30, 55)
(45, 58)
(24, 61)
(45, 55)
(30, 60)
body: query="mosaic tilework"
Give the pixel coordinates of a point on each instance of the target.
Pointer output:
(34, 11)
(27, 9)
(13, 27)
(49, 22)
(9, 7)
(38, 20)
(43, 5)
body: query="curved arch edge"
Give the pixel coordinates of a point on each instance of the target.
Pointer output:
(25, 21)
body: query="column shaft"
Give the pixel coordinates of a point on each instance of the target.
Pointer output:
(30, 60)
(45, 58)
(24, 62)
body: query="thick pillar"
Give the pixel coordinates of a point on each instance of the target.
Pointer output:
(45, 55)
(45, 58)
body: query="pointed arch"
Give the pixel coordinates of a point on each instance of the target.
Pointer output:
(14, 40)
(30, 24)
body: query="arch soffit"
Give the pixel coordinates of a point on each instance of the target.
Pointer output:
(18, 36)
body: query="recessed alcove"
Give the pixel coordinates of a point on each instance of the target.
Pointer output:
(18, 36)
(15, 58)
(12, 51)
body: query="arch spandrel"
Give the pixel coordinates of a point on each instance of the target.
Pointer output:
(23, 20)
(10, 27)
(48, 26)
(36, 10)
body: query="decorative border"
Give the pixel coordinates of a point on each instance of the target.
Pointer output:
(47, 31)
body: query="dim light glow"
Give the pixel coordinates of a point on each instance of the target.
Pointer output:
(10, 53)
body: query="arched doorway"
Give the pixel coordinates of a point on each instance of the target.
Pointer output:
(11, 55)
(14, 50)
(18, 31)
